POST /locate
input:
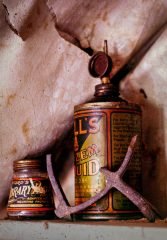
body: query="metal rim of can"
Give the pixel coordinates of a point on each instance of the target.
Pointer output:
(123, 105)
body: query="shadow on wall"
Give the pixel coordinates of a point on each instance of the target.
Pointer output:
(154, 164)
(63, 165)
(154, 157)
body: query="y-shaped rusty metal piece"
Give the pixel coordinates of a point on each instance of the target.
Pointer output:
(113, 179)
(64, 209)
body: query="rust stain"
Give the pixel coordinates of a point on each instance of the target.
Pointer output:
(31, 47)
(45, 25)
(38, 10)
(25, 130)
(46, 225)
(2, 45)
(13, 150)
(10, 99)
(29, 25)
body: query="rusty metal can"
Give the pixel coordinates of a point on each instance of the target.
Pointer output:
(102, 133)
(30, 194)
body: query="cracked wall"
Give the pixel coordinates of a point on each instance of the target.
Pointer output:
(42, 76)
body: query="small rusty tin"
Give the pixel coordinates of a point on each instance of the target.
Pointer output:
(30, 194)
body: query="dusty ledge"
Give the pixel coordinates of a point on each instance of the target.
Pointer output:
(62, 229)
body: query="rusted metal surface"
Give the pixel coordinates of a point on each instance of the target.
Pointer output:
(63, 208)
(113, 179)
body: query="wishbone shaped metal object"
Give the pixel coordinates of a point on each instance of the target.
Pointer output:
(113, 180)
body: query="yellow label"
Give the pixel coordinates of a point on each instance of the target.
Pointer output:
(90, 156)
(101, 138)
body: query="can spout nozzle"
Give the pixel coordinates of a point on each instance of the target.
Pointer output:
(105, 49)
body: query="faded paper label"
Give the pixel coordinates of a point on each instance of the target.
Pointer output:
(30, 194)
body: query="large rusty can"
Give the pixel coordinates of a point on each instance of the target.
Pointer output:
(103, 129)
(102, 134)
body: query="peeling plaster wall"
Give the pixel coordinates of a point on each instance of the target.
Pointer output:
(37, 89)
(127, 25)
(42, 76)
